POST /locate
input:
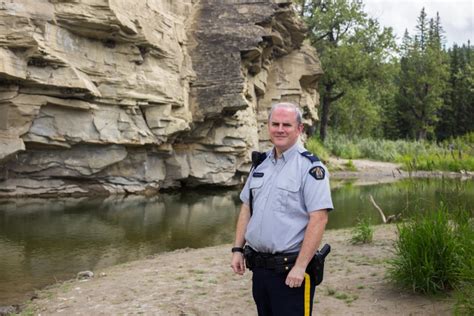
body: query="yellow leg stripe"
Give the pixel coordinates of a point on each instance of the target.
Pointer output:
(307, 294)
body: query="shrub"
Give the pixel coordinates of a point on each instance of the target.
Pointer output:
(362, 232)
(429, 253)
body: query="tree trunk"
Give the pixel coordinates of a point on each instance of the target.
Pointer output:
(325, 112)
(303, 5)
(421, 134)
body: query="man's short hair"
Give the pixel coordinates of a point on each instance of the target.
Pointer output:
(287, 105)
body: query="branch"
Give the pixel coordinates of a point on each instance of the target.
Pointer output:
(336, 97)
(322, 36)
(386, 220)
(378, 208)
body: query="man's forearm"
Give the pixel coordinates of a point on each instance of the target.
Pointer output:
(242, 222)
(312, 238)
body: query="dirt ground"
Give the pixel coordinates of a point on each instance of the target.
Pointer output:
(201, 282)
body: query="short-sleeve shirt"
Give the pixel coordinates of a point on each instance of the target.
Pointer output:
(285, 191)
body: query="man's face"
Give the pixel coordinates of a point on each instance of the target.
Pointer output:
(284, 129)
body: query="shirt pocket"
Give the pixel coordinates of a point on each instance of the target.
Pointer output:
(288, 195)
(255, 185)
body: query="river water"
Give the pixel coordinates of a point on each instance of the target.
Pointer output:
(47, 240)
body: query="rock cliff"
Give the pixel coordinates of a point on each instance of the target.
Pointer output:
(118, 96)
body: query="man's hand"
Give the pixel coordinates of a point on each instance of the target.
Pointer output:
(295, 277)
(237, 263)
(311, 241)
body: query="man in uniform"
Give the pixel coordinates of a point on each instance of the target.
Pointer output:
(285, 207)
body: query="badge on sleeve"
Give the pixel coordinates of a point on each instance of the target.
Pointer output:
(317, 173)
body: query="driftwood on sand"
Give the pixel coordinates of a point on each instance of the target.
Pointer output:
(385, 219)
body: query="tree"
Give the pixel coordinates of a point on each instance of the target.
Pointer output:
(457, 113)
(353, 50)
(422, 80)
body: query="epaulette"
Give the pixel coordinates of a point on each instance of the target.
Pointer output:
(258, 158)
(310, 156)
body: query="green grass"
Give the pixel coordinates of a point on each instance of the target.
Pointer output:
(362, 233)
(346, 297)
(330, 291)
(432, 252)
(27, 311)
(349, 165)
(341, 296)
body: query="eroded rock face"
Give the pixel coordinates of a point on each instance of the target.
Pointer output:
(116, 96)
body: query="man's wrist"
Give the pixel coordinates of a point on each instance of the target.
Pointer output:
(237, 249)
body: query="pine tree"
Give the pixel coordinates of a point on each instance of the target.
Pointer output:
(457, 113)
(422, 81)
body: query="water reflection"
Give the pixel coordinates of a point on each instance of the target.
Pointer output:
(406, 197)
(44, 240)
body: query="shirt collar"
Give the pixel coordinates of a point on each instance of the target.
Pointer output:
(287, 154)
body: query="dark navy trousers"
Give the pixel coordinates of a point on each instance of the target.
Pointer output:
(273, 297)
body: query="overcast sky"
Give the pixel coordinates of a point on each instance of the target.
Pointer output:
(456, 16)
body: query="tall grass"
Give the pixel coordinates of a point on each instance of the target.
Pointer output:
(465, 288)
(317, 148)
(451, 155)
(434, 254)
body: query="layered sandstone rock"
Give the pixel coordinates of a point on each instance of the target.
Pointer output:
(115, 96)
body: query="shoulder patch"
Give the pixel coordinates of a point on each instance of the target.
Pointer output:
(310, 156)
(258, 174)
(317, 172)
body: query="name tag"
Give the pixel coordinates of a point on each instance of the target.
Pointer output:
(258, 174)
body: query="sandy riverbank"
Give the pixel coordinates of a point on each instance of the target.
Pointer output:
(376, 172)
(201, 282)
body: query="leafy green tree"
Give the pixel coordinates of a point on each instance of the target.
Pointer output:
(354, 51)
(422, 80)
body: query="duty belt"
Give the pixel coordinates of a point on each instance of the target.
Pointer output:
(280, 262)
(283, 262)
